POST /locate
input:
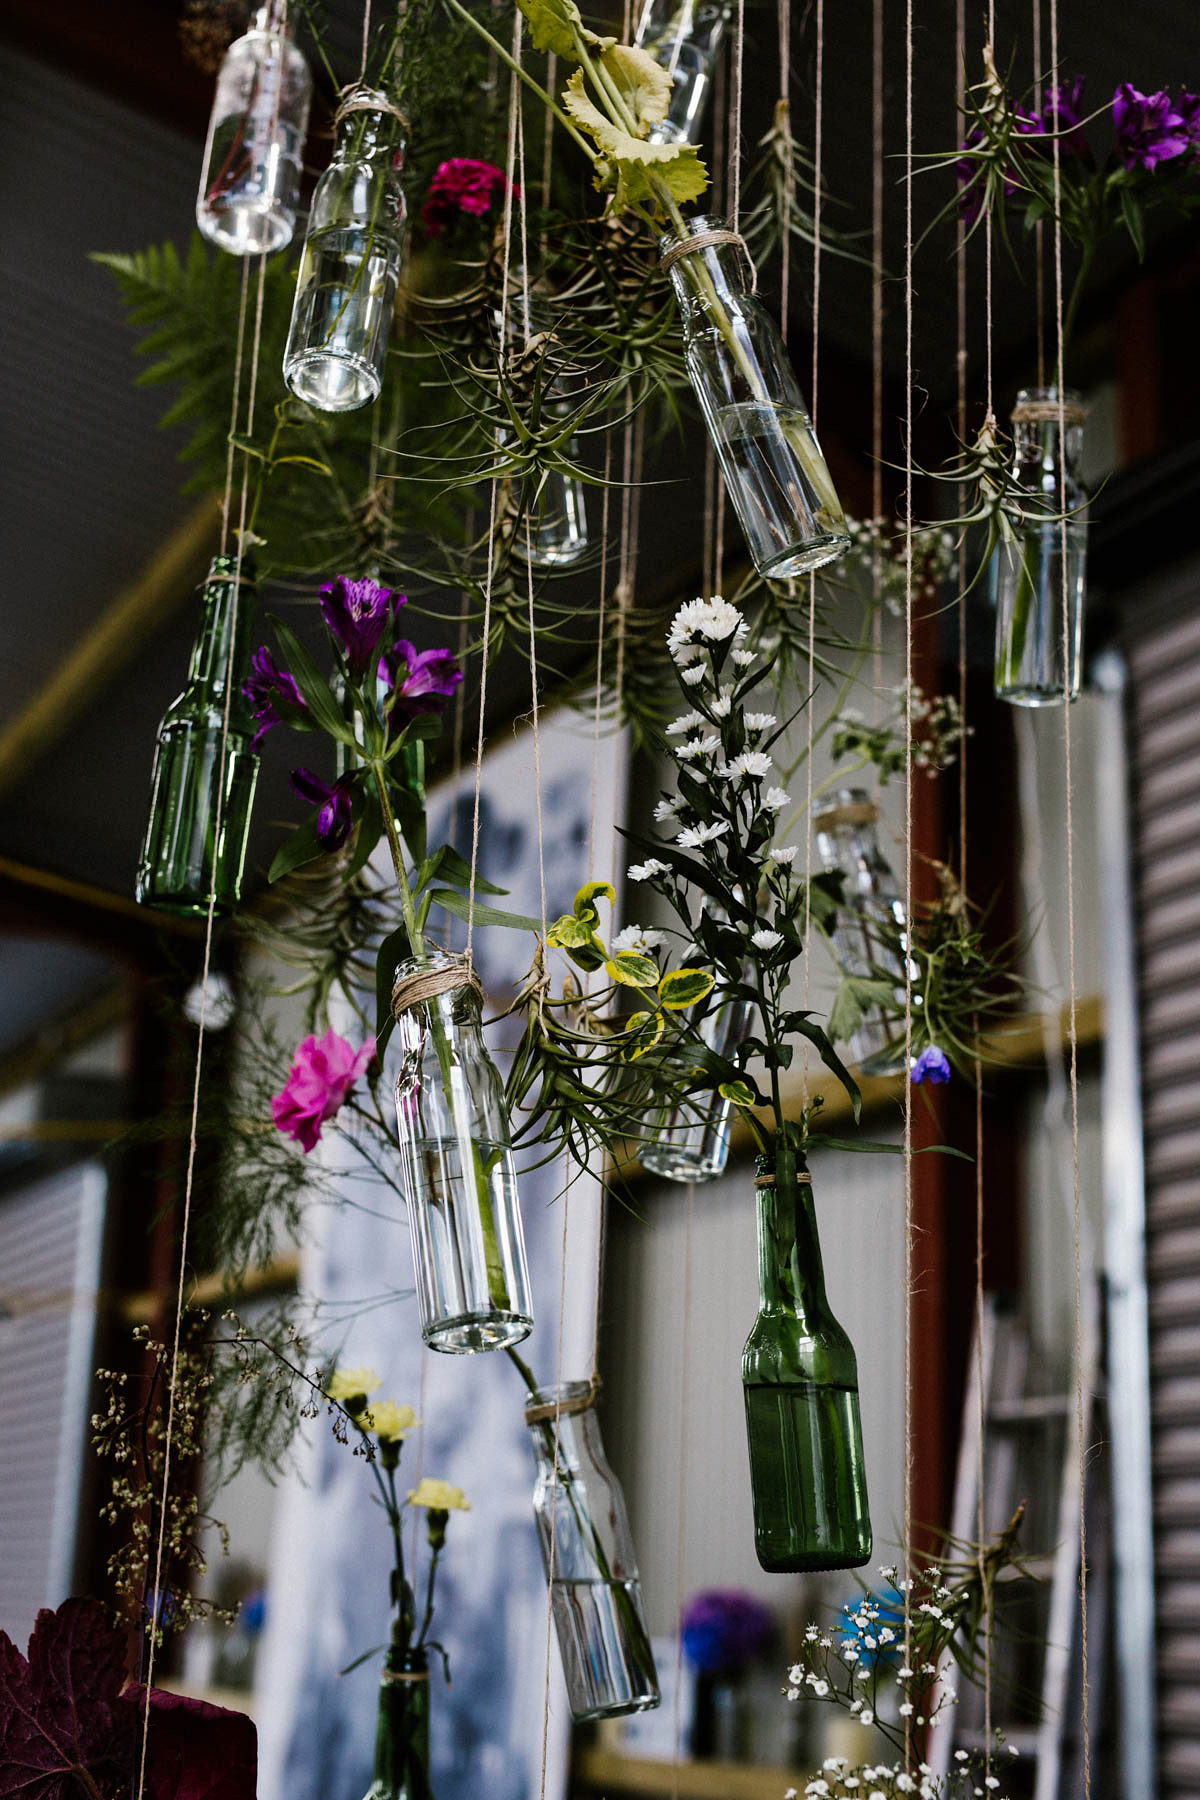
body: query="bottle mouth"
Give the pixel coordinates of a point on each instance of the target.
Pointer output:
(853, 806)
(1049, 405)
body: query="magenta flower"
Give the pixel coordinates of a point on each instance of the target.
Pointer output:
(336, 815)
(357, 614)
(321, 1078)
(421, 680)
(1188, 108)
(933, 1066)
(1067, 120)
(265, 688)
(461, 186)
(1149, 129)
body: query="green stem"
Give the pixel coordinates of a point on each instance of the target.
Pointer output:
(1073, 308)
(427, 1621)
(510, 62)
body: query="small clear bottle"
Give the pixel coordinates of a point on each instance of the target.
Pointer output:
(556, 532)
(691, 1142)
(871, 914)
(457, 1166)
(250, 184)
(595, 1593)
(738, 365)
(201, 797)
(1038, 662)
(683, 37)
(346, 288)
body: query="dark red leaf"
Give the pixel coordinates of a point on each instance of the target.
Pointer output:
(195, 1751)
(63, 1728)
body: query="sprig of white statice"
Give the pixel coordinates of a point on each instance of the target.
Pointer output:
(881, 553)
(937, 731)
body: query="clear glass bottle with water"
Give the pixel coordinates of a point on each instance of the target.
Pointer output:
(690, 1142)
(595, 1593)
(346, 288)
(1038, 649)
(683, 37)
(251, 178)
(205, 768)
(555, 534)
(869, 921)
(738, 364)
(457, 1167)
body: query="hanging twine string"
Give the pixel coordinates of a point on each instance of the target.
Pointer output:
(1038, 234)
(877, 350)
(227, 496)
(557, 1410)
(735, 113)
(1073, 1021)
(366, 40)
(193, 1129)
(908, 838)
(818, 120)
(685, 1361)
(785, 107)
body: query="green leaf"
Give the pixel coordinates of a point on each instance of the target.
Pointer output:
(447, 865)
(557, 26)
(318, 696)
(368, 827)
(634, 170)
(410, 816)
(632, 970)
(569, 933)
(737, 1092)
(644, 85)
(1131, 211)
(683, 987)
(302, 847)
(453, 902)
(642, 1032)
(589, 893)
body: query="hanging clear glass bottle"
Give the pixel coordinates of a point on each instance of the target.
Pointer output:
(595, 1593)
(251, 180)
(691, 1142)
(1037, 660)
(800, 1381)
(683, 37)
(556, 532)
(456, 1161)
(346, 288)
(738, 365)
(201, 796)
(871, 914)
(402, 1729)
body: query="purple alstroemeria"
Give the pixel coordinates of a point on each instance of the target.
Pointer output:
(421, 680)
(357, 614)
(1064, 114)
(1188, 108)
(336, 815)
(264, 688)
(1149, 129)
(933, 1066)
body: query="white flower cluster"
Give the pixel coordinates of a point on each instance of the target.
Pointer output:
(842, 1780)
(640, 939)
(882, 550)
(711, 621)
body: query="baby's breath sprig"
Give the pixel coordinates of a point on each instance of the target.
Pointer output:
(938, 730)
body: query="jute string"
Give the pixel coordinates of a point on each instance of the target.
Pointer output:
(702, 240)
(908, 838)
(1061, 411)
(818, 123)
(193, 1131)
(1073, 1022)
(566, 1409)
(785, 107)
(877, 347)
(685, 1359)
(424, 985)
(360, 99)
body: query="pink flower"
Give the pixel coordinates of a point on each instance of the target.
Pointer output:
(324, 1072)
(461, 185)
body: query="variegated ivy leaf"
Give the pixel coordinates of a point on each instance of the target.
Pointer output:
(644, 1029)
(557, 26)
(632, 970)
(586, 898)
(634, 170)
(736, 1092)
(569, 933)
(683, 987)
(644, 85)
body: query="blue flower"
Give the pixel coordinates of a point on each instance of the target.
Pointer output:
(933, 1065)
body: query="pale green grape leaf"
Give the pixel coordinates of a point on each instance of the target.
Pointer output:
(557, 26)
(634, 170)
(644, 85)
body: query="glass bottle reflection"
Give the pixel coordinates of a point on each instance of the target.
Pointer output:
(683, 37)
(250, 185)
(870, 920)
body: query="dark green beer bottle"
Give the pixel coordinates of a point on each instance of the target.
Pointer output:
(200, 803)
(801, 1385)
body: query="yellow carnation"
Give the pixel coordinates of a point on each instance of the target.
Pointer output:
(390, 1422)
(439, 1496)
(352, 1384)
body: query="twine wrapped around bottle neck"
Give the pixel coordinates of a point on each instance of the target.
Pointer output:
(854, 812)
(1039, 412)
(395, 1675)
(426, 984)
(365, 99)
(802, 1178)
(703, 240)
(540, 1411)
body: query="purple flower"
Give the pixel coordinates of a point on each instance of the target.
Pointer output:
(461, 185)
(933, 1066)
(357, 614)
(264, 688)
(321, 1078)
(336, 815)
(1068, 119)
(1188, 108)
(1149, 130)
(421, 680)
(724, 1629)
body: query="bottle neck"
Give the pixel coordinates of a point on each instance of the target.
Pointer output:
(222, 646)
(710, 272)
(366, 136)
(791, 1276)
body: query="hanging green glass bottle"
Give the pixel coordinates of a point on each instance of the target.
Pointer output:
(801, 1385)
(200, 800)
(402, 1733)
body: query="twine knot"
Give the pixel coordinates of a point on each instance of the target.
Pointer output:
(426, 984)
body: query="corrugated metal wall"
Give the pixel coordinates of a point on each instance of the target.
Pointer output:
(1165, 756)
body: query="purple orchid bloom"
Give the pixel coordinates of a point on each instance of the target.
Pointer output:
(336, 815)
(421, 680)
(264, 688)
(357, 614)
(1149, 129)
(933, 1066)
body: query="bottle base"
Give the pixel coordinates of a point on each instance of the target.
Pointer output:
(252, 228)
(619, 1709)
(332, 384)
(471, 1333)
(801, 559)
(1034, 696)
(672, 1165)
(812, 1562)
(187, 906)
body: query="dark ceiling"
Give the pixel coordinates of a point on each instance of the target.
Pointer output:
(101, 129)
